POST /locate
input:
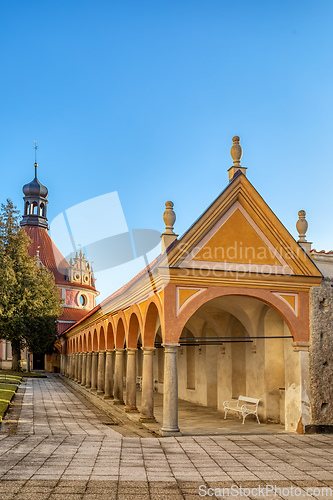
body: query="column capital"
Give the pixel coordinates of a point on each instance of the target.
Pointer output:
(118, 350)
(109, 351)
(301, 346)
(171, 347)
(148, 349)
(131, 350)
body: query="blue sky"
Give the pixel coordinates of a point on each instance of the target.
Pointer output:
(143, 97)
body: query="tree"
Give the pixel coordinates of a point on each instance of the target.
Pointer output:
(29, 299)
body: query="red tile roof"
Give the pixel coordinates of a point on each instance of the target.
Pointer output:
(72, 314)
(322, 251)
(50, 255)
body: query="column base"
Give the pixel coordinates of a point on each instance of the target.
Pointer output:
(107, 397)
(99, 393)
(148, 420)
(131, 409)
(87, 386)
(118, 402)
(169, 432)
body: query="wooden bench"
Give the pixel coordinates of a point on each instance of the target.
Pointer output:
(243, 406)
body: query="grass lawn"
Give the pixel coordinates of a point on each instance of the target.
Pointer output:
(11, 373)
(7, 391)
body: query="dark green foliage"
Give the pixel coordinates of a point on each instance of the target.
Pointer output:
(29, 299)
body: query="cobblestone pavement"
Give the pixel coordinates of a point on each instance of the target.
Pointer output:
(61, 449)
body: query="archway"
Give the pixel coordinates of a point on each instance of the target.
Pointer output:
(238, 345)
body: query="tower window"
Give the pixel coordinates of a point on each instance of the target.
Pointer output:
(83, 300)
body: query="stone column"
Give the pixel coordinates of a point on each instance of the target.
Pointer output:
(147, 404)
(88, 370)
(108, 384)
(118, 378)
(94, 367)
(68, 365)
(73, 367)
(131, 381)
(170, 391)
(297, 400)
(76, 365)
(101, 372)
(84, 369)
(79, 368)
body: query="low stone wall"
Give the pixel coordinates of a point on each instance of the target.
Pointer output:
(321, 353)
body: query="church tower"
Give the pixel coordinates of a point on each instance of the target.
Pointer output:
(35, 204)
(74, 279)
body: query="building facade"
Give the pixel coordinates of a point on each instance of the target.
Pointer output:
(234, 307)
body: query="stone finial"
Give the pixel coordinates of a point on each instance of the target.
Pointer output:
(302, 226)
(236, 154)
(169, 218)
(236, 151)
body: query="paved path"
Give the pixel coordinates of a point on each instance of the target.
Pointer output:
(60, 448)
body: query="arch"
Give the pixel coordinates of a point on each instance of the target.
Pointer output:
(34, 208)
(101, 339)
(120, 334)
(149, 330)
(89, 342)
(295, 324)
(95, 341)
(110, 336)
(84, 343)
(27, 208)
(133, 331)
(137, 311)
(42, 210)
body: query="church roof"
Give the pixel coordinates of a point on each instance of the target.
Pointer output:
(50, 256)
(72, 314)
(35, 188)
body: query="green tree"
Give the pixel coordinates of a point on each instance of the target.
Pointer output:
(29, 299)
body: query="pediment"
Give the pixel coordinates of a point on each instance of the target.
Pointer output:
(239, 232)
(236, 243)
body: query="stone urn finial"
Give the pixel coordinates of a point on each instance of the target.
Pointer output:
(169, 218)
(302, 226)
(236, 154)
(236, 151)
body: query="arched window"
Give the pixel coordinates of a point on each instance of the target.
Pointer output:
(27, 208)
(42, 210)
(34, 208)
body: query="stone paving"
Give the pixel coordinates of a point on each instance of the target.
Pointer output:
(56, 446)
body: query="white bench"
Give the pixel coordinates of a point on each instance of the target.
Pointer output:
(243, 406)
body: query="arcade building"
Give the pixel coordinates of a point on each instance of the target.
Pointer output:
(236, 306)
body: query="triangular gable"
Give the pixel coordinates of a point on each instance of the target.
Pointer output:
(236, 243)
(239, 232)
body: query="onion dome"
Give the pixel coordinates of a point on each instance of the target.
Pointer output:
(35, 204)
(35, 188)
